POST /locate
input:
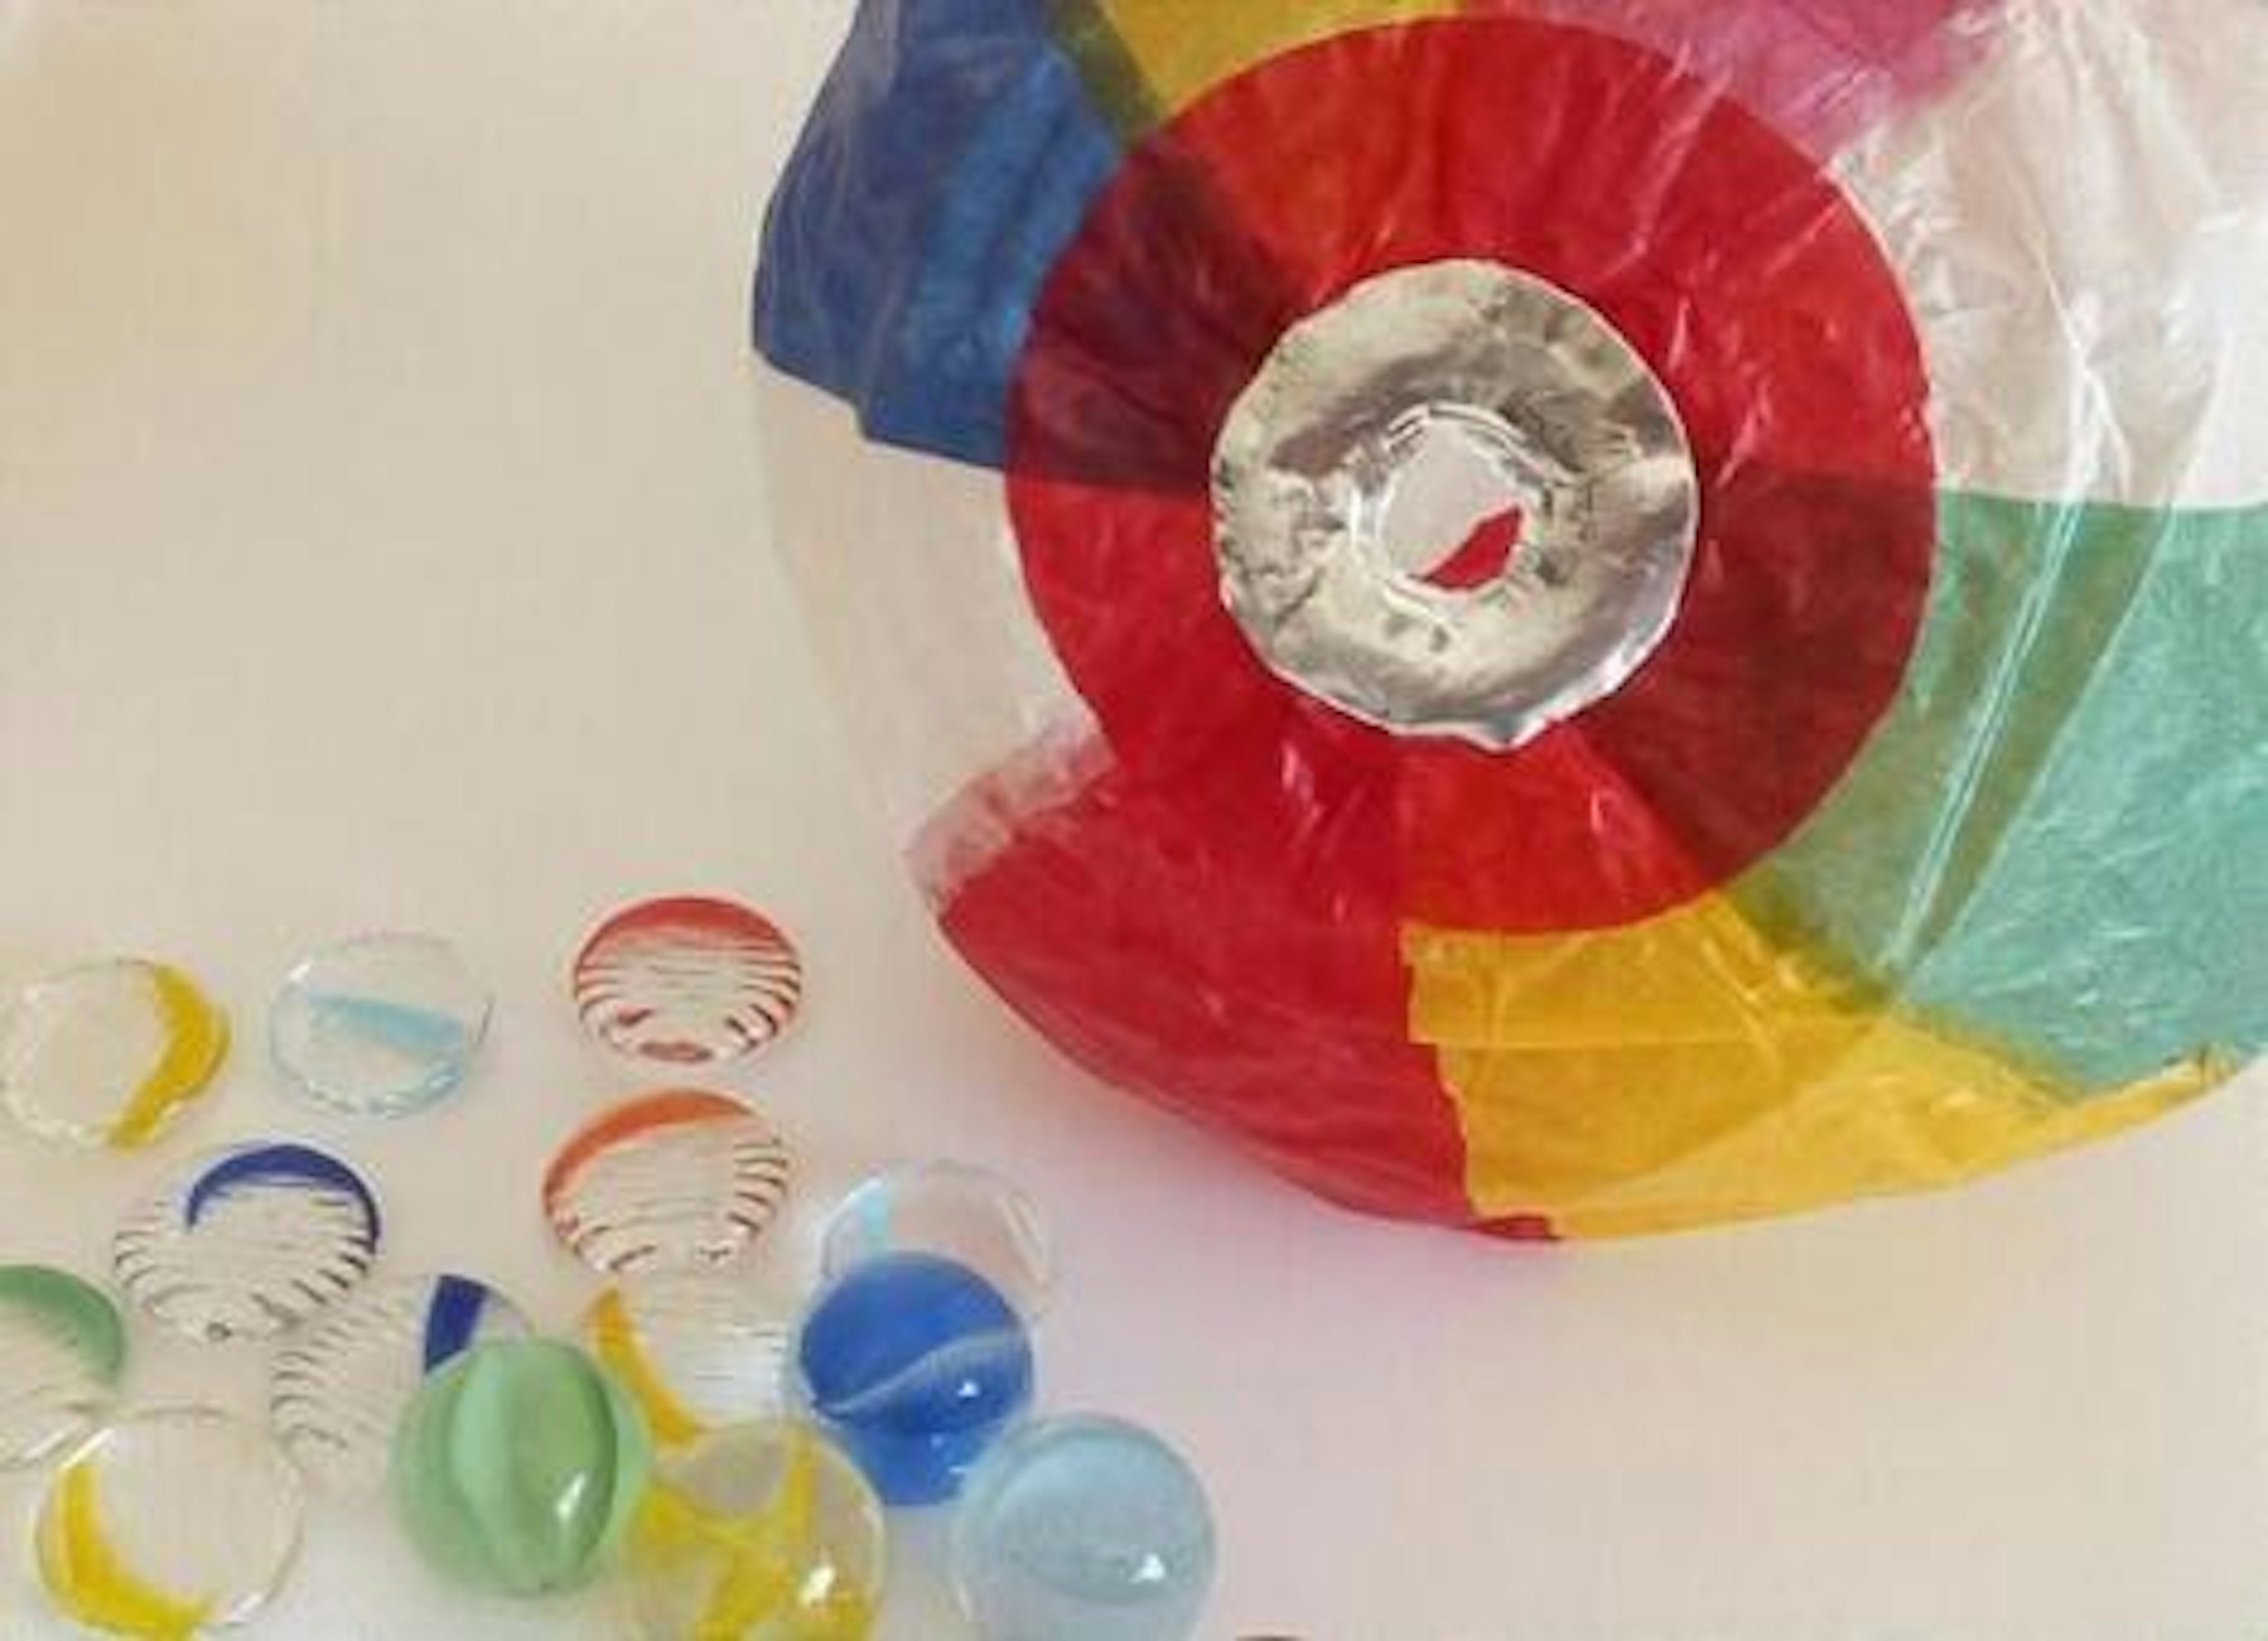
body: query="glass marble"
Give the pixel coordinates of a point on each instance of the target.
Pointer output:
(169, 1525)
(383, 1024)
(248, 1242)
(699, 1349)
(764, 1532)
(1084, 1526)
(518, 1466)
(688, 982)
(670, 1180)
(954, 1209)
(337, 1395)
(110, 1054)
(63, 1350)
(916, 1365)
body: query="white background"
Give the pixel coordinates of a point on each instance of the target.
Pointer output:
(382, 544)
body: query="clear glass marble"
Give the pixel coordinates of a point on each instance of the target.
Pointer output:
(687, 981)
(169, 1525)
(956, 1210)
(383, 1024)
(337, 1393)
(1084, 1526)
(670, 1180)
(764, 1532)
(109, 1054)
(63, 1350)
(248, 1242)
(699, 1350)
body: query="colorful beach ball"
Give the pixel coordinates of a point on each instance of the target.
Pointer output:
(1573, 617)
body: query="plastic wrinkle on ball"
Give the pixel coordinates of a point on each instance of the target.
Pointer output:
(698, 1349)
(670, 1180)
(687, 981)
(916, 1365)
(169, 1525)
(248, 1242)
(955, 1210)
(518, 1466)
(62, 1349)
(383, 1024)
(765, 1531)
(337, 1396)
(1568, 618)
(109, 1054)
(1084, 1526)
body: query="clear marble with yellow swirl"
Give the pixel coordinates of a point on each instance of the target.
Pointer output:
(169, 1525)
(762, 1532)
(698, 1349)
(111, 1053)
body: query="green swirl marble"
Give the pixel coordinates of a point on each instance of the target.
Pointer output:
(519, 1467)
(76, 1312)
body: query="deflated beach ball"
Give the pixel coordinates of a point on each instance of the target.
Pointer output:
(1566, 618)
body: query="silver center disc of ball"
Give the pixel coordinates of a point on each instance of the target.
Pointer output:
(1455, 503)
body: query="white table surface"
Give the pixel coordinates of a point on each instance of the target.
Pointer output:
(382, 544)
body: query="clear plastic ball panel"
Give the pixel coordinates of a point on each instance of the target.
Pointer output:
(249, 1241)
(688, 981)
(337, 1394)
(168, 1525)
(383, 1024)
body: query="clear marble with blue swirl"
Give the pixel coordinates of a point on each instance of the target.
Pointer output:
(248, 1242)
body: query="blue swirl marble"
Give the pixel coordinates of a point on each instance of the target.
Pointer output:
(914, 1365)
(288, 1165)
(424, 1034)
(453, 1319)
